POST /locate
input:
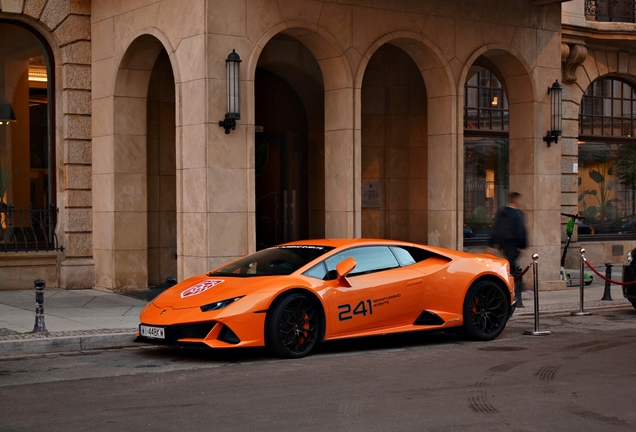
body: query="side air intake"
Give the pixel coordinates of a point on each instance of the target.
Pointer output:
(427, 318)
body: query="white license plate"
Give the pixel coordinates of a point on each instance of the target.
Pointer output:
(153, 332)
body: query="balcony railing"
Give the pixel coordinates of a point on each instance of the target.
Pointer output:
(31, 230)
(610, 10)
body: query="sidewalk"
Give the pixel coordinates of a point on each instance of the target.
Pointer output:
(76, 320)
(80, 320)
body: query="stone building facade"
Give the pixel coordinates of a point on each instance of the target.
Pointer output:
(599, 76)
(357, 118)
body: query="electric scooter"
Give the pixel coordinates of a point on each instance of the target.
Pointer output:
(587, 278)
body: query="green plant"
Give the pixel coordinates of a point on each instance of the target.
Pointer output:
(602, 176)
(480, 219)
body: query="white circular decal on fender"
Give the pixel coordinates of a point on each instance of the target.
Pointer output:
(200, 287)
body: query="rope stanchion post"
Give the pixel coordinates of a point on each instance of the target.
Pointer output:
(607, 293)
(581, 311)
(535, 272)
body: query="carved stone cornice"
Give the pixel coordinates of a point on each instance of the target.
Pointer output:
(572, 56)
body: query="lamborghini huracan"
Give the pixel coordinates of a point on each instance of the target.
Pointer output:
(290, 297)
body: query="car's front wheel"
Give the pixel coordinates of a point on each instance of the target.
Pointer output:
(292, 326)
(486, 310)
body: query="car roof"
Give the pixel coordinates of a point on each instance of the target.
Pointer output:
(336, 243)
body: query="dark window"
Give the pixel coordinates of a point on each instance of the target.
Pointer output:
(609, 10)
(485, 152)
(280, 260)
(607, 159)
(27, 145)
(485, 103)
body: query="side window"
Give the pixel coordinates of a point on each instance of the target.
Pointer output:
(403, 256)
(319, 271)
(368, 259)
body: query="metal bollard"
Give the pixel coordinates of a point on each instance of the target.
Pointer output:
(535, 272)
(581, 312)
(39, 326)
(607, 294)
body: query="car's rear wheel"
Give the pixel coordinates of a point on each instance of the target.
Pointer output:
(292, 326)
(486, 311)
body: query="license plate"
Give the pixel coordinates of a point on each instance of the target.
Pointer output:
(153, 332)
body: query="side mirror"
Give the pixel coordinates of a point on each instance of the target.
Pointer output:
(343, 268)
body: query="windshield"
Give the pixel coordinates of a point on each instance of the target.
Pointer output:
(279, 260)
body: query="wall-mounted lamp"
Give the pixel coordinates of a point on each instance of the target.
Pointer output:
(6, 113)
(556, 115)
(232, 65)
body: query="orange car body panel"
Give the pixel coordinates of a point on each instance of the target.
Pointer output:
(387, 301)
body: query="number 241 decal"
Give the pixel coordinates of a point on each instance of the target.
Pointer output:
(346, 313)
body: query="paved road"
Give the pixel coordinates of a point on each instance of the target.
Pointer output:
(582, 377)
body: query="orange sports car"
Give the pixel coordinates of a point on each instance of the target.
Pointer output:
(290, 297)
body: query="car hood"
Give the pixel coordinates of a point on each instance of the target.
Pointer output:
(201, 290)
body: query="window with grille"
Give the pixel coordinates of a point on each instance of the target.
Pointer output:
(610, 10)
(607, 159)
(485, 152)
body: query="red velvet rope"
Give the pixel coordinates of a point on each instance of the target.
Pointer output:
(520, 275)
(604, 278)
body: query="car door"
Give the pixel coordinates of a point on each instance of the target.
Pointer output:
(381, 293)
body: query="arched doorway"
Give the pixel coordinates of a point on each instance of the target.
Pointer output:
(134, 191)
(289, 144)
(394, 148)
(161, 173)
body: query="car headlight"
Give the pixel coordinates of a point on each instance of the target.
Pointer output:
(628, 259)
(219, 305)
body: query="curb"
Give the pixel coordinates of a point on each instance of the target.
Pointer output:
(45, 345)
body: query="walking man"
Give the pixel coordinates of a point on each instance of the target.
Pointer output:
(509, 233)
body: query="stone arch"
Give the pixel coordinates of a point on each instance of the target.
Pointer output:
(520, 90)
(434, 214)
(338, 122)
(73, 267)
(534, 171)
(596, 64)
(121, 170)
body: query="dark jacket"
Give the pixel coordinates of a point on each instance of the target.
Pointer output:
(509, 231)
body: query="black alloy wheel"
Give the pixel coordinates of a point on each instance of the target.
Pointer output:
(486, 311)
(292, 326)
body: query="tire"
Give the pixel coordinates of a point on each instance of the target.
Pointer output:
(486, 310)
(292, 326)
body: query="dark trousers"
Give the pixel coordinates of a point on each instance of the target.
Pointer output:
(512, 255)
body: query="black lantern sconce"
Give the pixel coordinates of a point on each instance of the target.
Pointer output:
(556, 114)
(232, 65)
